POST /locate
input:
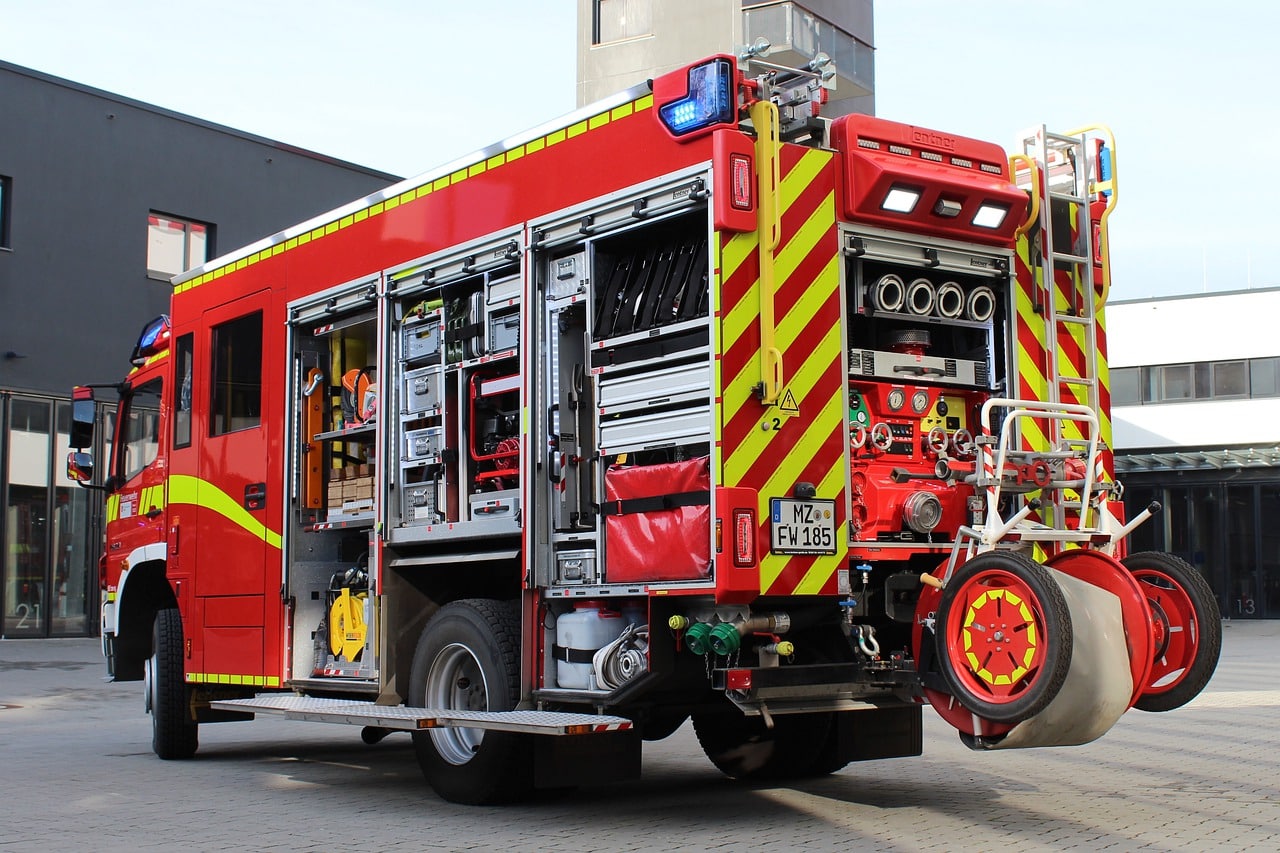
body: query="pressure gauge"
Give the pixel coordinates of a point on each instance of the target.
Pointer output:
(920, 402)
(897, 397)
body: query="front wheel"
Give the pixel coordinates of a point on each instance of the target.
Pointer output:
(1188, 629)
(174, 734)
(468, 660)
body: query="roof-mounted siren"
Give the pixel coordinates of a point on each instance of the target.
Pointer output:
(913, 178)
(153, 340)
(695, 100)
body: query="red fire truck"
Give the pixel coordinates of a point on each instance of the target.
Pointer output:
(694, 404)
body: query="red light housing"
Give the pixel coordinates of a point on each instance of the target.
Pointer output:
(744, 537)
(901, 176)
(738, 679)
(742, 179)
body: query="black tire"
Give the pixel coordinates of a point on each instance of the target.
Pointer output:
(468, 659)
(174, 733)
(1035, 686)
(744, 748)
(1162, 575)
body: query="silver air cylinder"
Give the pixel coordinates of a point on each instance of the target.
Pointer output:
(981, 304)
(921, 297)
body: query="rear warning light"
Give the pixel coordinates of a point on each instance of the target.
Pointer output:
(744, 537)
(709, 99)
(740, 169)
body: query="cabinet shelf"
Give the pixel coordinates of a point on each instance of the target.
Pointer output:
(364, 519)
(363, 433)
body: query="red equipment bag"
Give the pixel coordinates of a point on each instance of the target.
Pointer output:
(658, 522)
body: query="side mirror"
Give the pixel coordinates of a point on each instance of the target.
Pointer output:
(84, 415)
(80, 467)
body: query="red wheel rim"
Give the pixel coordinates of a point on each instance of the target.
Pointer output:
(997, 643)
(1103, 571)
(946, 705)
(1177, 633)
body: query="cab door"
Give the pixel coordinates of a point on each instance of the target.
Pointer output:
(238, 494)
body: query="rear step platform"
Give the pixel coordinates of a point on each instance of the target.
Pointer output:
(400, 718)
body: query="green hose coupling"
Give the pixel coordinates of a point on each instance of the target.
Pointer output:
(697, 638)
(725, 639)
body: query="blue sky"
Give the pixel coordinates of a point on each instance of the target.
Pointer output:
(404, 86)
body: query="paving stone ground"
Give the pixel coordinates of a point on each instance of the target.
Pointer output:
(78, 774)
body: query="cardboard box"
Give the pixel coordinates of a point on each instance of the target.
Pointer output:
(355, 507)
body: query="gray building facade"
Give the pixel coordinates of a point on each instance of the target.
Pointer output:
(623, 42)
(102, 199)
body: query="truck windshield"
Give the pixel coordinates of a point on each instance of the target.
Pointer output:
(140, 430)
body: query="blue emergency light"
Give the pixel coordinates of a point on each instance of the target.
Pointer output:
(710, 99)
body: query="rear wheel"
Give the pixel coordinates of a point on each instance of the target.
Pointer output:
(1004, 637)
(1188, 629)
(468, 659)
(174, 733)
(745, 748)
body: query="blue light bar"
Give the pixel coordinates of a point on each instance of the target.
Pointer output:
(710, 100)
(153, 340)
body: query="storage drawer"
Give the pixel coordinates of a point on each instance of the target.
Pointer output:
(672, 385)
(576, 567)
(421, 341)
(504, 504)
(504, 332)
(418, 502)
(423, 445)
(422, 390)
(655, 430)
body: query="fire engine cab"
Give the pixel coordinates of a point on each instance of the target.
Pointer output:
(692, 405)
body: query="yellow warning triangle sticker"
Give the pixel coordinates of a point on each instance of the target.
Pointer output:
(788, 404)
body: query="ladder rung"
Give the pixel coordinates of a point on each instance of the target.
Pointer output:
(1066, 197)
(1086, 381)
(1072, 318)
(1062, 138)
(1075, 259)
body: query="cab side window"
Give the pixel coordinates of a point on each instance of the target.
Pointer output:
(140, 441)
(237, 375)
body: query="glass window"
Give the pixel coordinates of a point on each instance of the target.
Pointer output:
(6, 199)
(1264, 378)
(1150, 384)
(182, 399)
(1204, 381)
(1176, 382)
(175, 245)
(140, 439)
(237, 375)
(1230, 379)
(26, 525)
(1126, 387)
(621, 19)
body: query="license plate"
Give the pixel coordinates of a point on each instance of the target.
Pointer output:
(802, 527)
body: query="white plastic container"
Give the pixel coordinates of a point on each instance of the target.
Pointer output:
(579, 634)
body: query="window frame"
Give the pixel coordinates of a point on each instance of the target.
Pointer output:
(189, 227)
(6, 211)
(183, 350)
(597, 19)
